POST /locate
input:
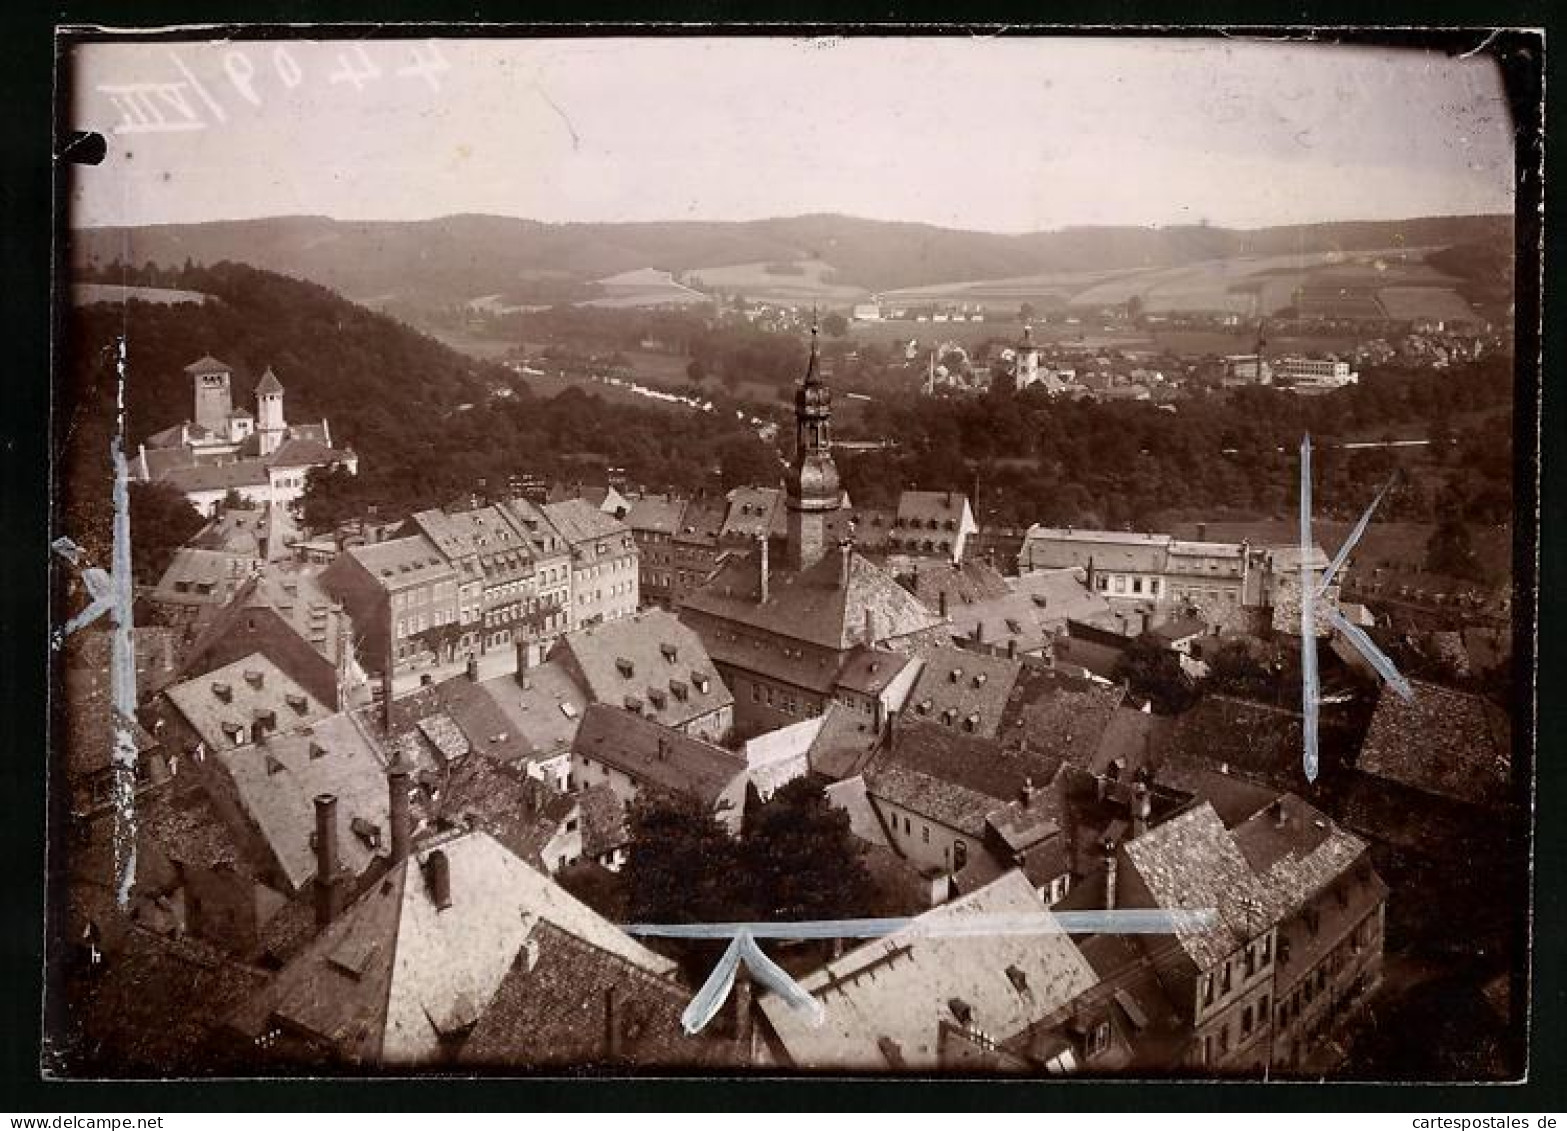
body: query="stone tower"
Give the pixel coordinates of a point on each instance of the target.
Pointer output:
(814, 491)
(214, 402)
(269, 412)
(1027, 371)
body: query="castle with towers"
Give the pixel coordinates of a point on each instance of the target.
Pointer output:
(224, 448)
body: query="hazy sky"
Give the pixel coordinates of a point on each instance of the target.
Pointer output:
(1002, 134)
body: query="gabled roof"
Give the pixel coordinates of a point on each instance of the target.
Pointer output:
(1257, 741)
(1120, 550)
(401, 562)
(551, 1009)
(755, 512)
(813, 605)
(656, 514)
(651, 656)
(297, 451)
(923, 506)
(277, 781)
(395, 978)
(844, 743)
(885, 1002)
(579, 521)
(964, 690)
(196, 576)
(655, 755)
(542, 720)
(604, 827)
(223, 705)
(1446, 742)
(298, 599)
(217, 476)
(870, 671)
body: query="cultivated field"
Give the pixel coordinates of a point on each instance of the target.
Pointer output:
(806, 280)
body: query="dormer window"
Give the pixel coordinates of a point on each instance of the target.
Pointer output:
(626, 668)
(962, 1010)
(671, 653)
(955, 675)
(224, 692)
(297, 701)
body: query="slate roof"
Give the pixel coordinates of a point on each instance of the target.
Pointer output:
(922, 506)
(885, 1002)
(755, 512)
(1116, 550)
(223, 705)
(400, 562)
(542, 720)
(1060, 595)
(812, 606)
(269, 382)
(1446, 742)
(208, 576)
(208, 364)
(301, 451)
(655, 755)
(869, 671)
(551, 1010)
(217, 476)
(702, 521)
(970, 689)
(844, 744)
(652, 656)
(395, 978)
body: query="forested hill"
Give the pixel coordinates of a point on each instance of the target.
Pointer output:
(453, 259)
(420, 416)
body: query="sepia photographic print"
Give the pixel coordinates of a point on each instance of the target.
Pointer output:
(978, 556)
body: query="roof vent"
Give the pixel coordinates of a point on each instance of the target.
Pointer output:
(273, 766)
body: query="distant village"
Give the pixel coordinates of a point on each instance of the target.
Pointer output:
(382, 769)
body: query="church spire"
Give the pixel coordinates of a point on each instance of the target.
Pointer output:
(814, 489)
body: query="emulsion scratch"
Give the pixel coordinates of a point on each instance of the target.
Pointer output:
(122, 657)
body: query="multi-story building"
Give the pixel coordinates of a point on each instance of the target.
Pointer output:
(655, 522)
(932, 524)
(604, 574)
(402, 595)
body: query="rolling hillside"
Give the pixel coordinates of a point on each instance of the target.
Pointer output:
(454, 259)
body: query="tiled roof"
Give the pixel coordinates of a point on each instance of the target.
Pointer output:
(579, 521)
(963, 690)
(1295, 852)
(755, 512)
(604, 827)
(89, 707)
(204, 576)
(656, 514)
(651, 656)
(953, 778)
(295, 594)
(269, 382)
(923, 506)
(223, 705)
(702, 521)
(297, 451)
(656, 755)
(1058, 714)
(277, 781)
(844, 743)
(217, 476)
(1445, 742)
(551, 1010)
(394, 973)
(1254, 740)
(1134, 738)
(870, 670)
(542, 720)
(400, 562)
(813, 605)
(1191, 862)
(885, 1002)
(208, 364)
(1118, 550)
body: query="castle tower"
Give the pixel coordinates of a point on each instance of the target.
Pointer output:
(813, 488)
(210, 378)
(269, 412)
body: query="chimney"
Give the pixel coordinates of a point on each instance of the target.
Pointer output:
(386, 696)
(845, 549)
(1012, 648)
(524, 656)
(168, 652)
(473, 669)
(1142, 808)
(1202, 532)
(870, 626)
(663, 748)
(1280, 818)
(979, 631)
(326, 859)
(1026, 794)
(438, 879)
(1110, 866)
(611, 1025)
(764, 567)
(941, 603)
(397, 805)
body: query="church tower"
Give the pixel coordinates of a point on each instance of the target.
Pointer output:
(1027, 371)
(269, 412)
(813, 489)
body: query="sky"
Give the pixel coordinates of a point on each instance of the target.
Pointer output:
(995, 134)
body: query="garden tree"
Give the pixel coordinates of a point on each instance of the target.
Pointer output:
(696, 371)
(835, 325)
(1025, 312)
(162, 520)
(1154, 672)
(746, 461)
(800, 860)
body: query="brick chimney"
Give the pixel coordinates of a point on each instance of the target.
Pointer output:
(870, 626)
(524, 662)
(473, 669)
(327, 878)
(397, 805)
(1012, 648)
(1142, 808)
(386, 695)
(845, 550)
(1110, 868)
(941, 603)
(764, 568)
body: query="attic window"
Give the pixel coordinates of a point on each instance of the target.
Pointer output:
(701, 681)
(224, 692)
(1018, 979)
(234, 731)
(671, 653)
(979, 680)
(962, 1010)
(955, 675)
(296, 701)
(1014, 627)
(626, 668)
(679, 690)
(317, 750)
(633, 704)
(924, 706)
(971, 724)
(254, 678)
(367, 831)
(891, 1050)
(658, 698)
(949, 716)
(273, 766)
(1041, 600)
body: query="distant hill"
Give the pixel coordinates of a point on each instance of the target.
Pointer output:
(454, 259)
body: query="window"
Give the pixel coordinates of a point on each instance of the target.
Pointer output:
(925, 829)
(959, 855)
(1207, 989)
(1137, 585)
(1246, 1021)
(1153, 586)
(1224, 1039)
